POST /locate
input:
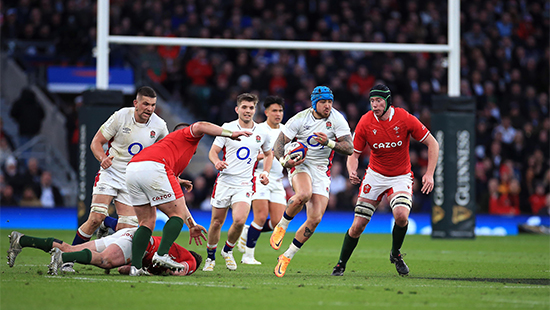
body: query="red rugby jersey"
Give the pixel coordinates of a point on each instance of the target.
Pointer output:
(389, 140)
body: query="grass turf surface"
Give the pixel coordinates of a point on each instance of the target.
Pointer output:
(485, 273)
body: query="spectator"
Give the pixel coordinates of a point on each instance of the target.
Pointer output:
(7, 198)
(33, 174)
(28, 113)
(538, 199)
(49, 194)
(29, 198)
(12, 176)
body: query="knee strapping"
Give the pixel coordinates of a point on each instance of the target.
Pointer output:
(401, 200)
(100, 208)
(364, 209)
(128, 219)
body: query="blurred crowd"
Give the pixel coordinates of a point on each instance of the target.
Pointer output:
(505, 60)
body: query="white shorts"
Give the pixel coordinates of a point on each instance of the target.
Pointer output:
(150, 182)
(123, 238)
(224, 196)
(320, 181)
(274, 191)
(375, 185)
(112, 182)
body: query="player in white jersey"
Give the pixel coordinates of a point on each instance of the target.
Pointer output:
(323, 130)
(233, 187)
(127, 132)
(268, 199)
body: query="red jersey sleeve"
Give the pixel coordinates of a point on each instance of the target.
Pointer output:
(418, 131)
(359, 136)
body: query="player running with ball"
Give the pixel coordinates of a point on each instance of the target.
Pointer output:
(387, 131)
(323, 130)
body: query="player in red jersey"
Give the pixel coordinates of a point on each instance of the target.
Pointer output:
(109, 252)
(152, 180)
(387, 131)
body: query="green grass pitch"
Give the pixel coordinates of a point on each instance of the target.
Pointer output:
(485, 273)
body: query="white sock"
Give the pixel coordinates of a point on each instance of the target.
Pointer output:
(292, 249)
(83, 234)
(284, 223)
(249, 252)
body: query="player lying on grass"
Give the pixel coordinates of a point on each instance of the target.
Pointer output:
(109, 252)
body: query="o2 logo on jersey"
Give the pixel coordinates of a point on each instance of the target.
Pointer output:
(311, 139)
(135, 148)
(244, 151)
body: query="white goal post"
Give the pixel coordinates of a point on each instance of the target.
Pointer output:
(452, 47)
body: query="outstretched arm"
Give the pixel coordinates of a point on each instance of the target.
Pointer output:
(344, 145)
(433, 154)
(201, 128)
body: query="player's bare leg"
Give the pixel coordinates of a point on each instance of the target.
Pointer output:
(239, 212)
(126, 216)
(315, 211)
(111, 257)
(301, 183)
(216, 223)
(99, 210)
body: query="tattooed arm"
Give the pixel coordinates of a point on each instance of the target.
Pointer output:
(344, 145)
(279, 152)
(279, 146)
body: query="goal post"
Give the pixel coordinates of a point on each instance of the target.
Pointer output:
(452, 48)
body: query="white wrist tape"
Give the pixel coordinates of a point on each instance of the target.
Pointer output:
(331, 143)
(226, 133)
(266, 173)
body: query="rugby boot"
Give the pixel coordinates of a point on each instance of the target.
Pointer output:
(241, 245)
(209, 265)
(15, 247)
(399, 263)
(56, 261)
(282, 264)
(230, 262)
(338, 270)
(277, 237)
(166, 261)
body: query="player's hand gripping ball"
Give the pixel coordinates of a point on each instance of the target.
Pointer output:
(296, 150)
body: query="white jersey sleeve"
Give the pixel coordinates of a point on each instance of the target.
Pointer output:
(276, 172)
(127, 137)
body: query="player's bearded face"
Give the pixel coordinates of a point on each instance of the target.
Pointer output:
(324, 107)
(377, 105)
(145, 107)
(246, 110)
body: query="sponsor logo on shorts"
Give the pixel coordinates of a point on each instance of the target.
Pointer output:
(387, 145)
(161, 197)
(153, 134)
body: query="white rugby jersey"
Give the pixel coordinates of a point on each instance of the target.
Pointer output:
(241, 155)
(127, 137)
(302, 126)
(276, 172)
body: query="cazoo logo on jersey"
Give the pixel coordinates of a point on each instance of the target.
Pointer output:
(387, 145)
(162, 197)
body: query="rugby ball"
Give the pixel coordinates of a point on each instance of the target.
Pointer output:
(296, 150)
